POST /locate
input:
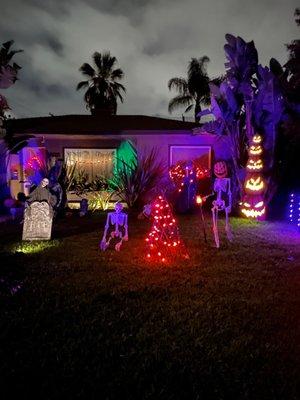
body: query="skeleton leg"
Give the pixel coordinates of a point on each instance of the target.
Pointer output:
(119, 244)
(227, 226)
(214, 211)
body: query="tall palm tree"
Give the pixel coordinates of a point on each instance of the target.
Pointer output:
(193, 90)
(103, 88)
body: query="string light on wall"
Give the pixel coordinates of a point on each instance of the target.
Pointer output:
(294, 209)
(185, 173)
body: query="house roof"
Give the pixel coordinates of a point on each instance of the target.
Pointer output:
(93, 124)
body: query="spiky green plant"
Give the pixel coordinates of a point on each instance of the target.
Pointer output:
(132, 183)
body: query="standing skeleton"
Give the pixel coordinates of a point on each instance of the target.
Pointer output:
(223, 202)
(117, 219)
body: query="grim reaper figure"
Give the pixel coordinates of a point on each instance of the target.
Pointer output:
(42, 193)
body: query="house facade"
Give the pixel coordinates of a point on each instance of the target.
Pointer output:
(91, 142)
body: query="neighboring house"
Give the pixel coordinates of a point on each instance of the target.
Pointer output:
(91, 142)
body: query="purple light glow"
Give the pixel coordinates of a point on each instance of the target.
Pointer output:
(294, 209)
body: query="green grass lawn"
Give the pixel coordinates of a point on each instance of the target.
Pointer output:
(85, 324)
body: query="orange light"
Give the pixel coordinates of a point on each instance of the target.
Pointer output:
(198, 199)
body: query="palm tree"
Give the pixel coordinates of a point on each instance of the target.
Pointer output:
(104, 90)
(193, 90)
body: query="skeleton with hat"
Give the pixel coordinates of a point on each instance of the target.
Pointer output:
(223, 201)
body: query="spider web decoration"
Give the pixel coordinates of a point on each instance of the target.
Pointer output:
(186, 172)
(163, 240)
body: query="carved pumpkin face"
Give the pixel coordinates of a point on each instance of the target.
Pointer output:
(255, 184)
(255, 150)
(254, 165)
(253, 207)
(257, 139)
(220, 169)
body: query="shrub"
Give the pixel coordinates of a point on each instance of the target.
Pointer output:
(133, 183)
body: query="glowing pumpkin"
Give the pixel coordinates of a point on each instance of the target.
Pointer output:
(255, 184)
(256, 139)
(255, 150)
(220, 169)
(253, 207)
(255, 165)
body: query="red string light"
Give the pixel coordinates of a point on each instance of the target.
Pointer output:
(163, 239)
(182, 173)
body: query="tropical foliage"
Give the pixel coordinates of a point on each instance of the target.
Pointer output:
(134, 182)
(193, 91)
(103, 87)
(249, 100)
(100, 200)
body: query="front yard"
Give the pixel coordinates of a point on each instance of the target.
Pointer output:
(79, 323)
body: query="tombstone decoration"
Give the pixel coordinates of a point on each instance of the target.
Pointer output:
(38, 213)
(117, 224)
(223, 201)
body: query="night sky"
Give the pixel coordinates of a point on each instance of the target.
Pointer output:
(153, 41)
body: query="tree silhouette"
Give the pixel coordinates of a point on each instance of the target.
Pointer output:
(103, 87)
(193, 91)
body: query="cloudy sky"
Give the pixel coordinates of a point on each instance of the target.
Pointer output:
(153, 41)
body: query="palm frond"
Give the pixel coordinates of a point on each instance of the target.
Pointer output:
(117, 74)
(97, 57)
(82, 84)
(178, 84)
(179, 101)
(87, 69)
(108, 61)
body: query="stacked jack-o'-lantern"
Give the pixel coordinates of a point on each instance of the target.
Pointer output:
(253, 205)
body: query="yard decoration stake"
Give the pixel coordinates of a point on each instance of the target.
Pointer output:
(118, 221)
(294, 209)
(163, 240)
(223, 202)
(253, 205)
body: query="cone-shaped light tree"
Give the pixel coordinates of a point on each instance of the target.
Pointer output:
(163, 240)
(253, 205)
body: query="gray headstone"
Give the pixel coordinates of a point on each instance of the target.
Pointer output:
(37, 221)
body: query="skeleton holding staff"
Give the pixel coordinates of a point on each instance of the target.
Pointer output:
(119, 221)
(223, 202)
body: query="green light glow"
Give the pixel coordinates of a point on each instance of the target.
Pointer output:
(34, 247)
(126, 152)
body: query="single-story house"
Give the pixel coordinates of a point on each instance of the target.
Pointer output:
(91, 141)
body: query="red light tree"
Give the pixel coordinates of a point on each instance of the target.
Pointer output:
(163, 240)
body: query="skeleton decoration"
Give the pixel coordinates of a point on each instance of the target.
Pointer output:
(118, 221)
(223, 202)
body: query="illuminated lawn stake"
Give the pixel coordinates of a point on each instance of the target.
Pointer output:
(294, 209)
(199, 201)
(163, 240)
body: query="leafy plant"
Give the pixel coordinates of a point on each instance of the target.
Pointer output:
(132, 183)
(100, 200)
